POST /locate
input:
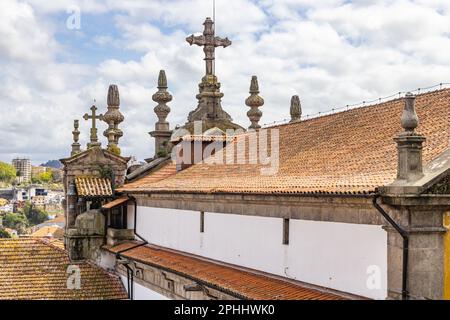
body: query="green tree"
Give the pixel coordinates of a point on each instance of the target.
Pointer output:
(7, 172)
(4, 234)
(45, 177)
(15, 221)
(34, 215)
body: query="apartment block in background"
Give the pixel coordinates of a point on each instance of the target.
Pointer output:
(23, 168)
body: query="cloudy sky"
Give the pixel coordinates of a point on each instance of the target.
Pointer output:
(330, 52)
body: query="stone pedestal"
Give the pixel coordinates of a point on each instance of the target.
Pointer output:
(85, 240)
(116, 236)
(424, 225)
(409, 148)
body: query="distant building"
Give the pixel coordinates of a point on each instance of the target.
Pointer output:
(58, 221)
(29, 193)
(7, 208)
(39, 201)
(23, 168)
(36, 171)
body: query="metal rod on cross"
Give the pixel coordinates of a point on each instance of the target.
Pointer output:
(214, 10)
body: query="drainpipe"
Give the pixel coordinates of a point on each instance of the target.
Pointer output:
(130, 274)
(130, 284)
(404, 234)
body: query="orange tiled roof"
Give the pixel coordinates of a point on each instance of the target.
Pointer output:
(166, 170)
(348, 152)
(115, 203)
(93, 187)
(35, 269)
(52, 231)
(245, 284)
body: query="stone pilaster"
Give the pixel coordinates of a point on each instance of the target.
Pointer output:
(419, 215)
(423, 223)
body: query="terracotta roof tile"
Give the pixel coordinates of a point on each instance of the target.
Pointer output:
(245, 284)
(166, 170)
(53, 231)
(93, 187)
(36, 269)
(349, 152)
(115, 203)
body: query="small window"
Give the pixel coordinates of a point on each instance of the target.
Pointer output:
(202, 222)
(286, 231)
(171, 285)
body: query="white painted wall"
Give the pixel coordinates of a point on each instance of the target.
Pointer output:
(334, 255)
(141, 292)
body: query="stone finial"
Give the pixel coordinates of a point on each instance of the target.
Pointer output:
(162, 80)
(162, 131)
(409, 119)
(113, 117)
(254, 102)
(76, 147)
(162, 97)
(296, 109)
(409, 145)
(113, 96)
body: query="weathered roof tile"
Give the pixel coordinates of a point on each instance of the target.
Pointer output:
(36, 269)
(244, 284)
(93, 187)
(350, 152)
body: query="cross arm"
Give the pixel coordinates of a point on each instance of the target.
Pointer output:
(219, 42)
(199, 40)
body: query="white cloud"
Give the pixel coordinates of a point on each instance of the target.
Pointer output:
(330, 52)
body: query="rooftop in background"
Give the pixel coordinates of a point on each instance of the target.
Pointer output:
(49, 231)
(238, 282)
(93, 187)
(350, 152)
(36, 269)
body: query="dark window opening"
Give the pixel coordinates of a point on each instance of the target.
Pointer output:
(286, 231)
(202, 222)
(117, 217)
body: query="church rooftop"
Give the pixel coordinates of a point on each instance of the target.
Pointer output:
(351, 152)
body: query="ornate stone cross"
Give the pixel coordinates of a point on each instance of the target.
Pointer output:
(94, 139)
(209, 42)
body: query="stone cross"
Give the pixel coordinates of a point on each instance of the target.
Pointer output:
(94, 139)
(209, 42)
